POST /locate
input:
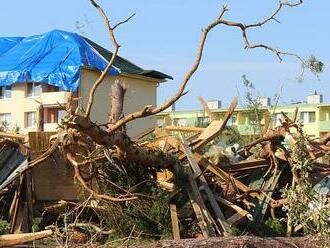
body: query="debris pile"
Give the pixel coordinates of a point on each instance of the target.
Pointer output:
(170, 183)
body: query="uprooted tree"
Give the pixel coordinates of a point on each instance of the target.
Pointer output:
(85, 143)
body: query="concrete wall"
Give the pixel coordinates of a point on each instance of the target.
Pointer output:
(141, 91)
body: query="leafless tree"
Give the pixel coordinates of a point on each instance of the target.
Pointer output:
(84, 142)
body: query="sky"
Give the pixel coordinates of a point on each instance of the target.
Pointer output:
(164, 36)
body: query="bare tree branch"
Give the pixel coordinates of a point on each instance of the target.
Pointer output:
(148, 110)
(113, 57)
(123, 22)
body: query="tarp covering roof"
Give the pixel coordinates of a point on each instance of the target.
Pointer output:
(54, 58)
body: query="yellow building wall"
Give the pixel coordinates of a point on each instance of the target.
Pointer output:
(141, 91)
(18, 104)
(311, 129)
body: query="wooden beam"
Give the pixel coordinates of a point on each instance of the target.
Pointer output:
(198, 173)
(205, 163)
(237, 217)
(17, 136)
(17, 239)
(204, 218)
(175, 222)
(222, 175)
(215, 129)
(246, 165)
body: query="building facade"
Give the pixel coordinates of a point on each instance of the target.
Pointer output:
(315, 118)
(38, 73)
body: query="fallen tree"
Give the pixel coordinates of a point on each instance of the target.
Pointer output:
(96, 151)
(80, 137)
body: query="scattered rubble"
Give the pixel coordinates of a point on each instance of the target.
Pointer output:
(231, 192)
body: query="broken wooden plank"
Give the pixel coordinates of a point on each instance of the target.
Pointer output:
(216, 128)
(240, 214)
(246, 165)
(236, 219)
(267, 184)
(17, 239)
(199, 215)
(197, 171)
(207, 109)
(204, 218)
(222, 175)
(204, 162)
(20, 137)
(210, 130)
(175, 222)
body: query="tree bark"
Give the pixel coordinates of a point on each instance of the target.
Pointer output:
(133, 152)
(17, 239)
(117, 103)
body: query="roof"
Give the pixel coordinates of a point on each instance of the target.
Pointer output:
(56, 58)
(125, 65)
(11, 163)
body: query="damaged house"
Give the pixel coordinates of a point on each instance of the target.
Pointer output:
(42, 70)
(37, 76)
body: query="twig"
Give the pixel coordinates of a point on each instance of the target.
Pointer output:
(219, 21)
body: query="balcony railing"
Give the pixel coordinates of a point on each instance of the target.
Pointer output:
(54, 98)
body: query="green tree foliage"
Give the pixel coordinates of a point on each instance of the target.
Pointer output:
(305, 205)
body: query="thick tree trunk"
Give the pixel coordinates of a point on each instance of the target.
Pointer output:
(40, 119)
(117, 102)
(133, 152)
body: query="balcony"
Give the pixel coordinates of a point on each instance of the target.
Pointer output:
(54, 98)
(324, 126)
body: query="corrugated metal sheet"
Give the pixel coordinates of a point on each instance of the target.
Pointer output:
(11, 163)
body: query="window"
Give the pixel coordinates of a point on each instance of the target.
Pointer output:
(51, 115)
(33, 89)
(202, 122)
(5, 119)
(5, 92)
(30, 119)
(307, 117)
(181, 122)
(232, 120)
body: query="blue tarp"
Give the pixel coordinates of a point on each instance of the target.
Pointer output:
(54, 58)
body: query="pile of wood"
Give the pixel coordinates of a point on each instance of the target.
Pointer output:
(206, 198)
(214, 197)
(250, 191)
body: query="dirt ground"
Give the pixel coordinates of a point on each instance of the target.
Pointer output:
(244, 241)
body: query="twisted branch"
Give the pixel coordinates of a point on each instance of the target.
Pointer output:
(149, 110)
(113, 57)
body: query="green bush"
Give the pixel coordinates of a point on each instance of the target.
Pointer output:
(4, 227)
